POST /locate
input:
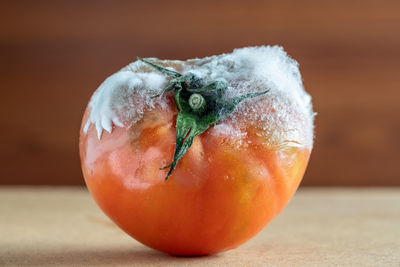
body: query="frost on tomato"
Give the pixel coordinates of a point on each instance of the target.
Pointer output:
(239, 172)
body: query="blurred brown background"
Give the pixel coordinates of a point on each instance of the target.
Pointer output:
(54, 54)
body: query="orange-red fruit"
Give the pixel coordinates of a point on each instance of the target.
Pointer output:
(220, 195)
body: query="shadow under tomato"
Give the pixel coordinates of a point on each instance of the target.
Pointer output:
(79, 257)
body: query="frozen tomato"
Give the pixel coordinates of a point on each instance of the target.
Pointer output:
(196, 157)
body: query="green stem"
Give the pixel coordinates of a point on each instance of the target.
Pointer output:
(197, 103)
(199, 107)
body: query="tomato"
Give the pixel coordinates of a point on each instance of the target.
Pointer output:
(222, 192)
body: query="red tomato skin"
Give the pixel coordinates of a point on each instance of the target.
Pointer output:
(219, 196)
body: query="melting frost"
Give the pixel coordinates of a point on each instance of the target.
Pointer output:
(284, 114)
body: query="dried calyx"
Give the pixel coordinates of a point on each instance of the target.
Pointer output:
(200, 106)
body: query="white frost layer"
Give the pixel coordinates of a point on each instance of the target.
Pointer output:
(123, 97)
(284, 113)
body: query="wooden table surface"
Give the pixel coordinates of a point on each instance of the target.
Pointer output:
(42, 226)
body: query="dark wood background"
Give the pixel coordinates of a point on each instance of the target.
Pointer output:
(53, 55)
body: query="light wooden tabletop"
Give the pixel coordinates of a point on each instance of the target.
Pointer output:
(47, 226)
